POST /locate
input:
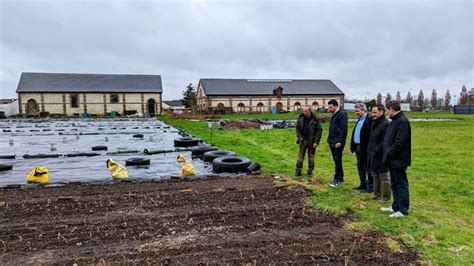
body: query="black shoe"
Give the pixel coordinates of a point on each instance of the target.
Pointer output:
(369, 190)
(360, 188)
(309, 174)
(298, 173)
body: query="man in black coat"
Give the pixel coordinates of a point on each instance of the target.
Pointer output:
(337, 139)
(379, 171)
(308, 134)
(397, 156)
(359, 142)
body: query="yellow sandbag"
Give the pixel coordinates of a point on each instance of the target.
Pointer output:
(38, 175)
(188, 168)
(116, 170)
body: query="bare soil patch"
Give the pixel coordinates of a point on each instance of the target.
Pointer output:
(241, 219)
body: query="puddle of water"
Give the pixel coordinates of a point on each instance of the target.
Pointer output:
(90, 169)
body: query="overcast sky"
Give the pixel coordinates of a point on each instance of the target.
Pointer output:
(364, 47)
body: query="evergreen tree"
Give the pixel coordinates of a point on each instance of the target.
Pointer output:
(189, 96)
(398, 97)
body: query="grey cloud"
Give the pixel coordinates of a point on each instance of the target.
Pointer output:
(362, 46)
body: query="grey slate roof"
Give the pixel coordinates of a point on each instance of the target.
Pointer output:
(62, 82)
(266, 87)
(174, 103)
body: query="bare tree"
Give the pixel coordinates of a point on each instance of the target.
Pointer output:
(421, 100)
(388, 98)
(434, 99)
(447, 99)
(398, 97)
(464, 99)
(409, 98)
(379, 98)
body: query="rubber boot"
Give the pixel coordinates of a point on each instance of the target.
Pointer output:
(309, 173)
(386, 193)
(377, 189)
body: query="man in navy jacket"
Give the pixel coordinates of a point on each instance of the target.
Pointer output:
(397, 156)
(337, 139)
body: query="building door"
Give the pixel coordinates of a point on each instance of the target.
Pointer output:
(151, 107)
(32, 108)
(279, 107)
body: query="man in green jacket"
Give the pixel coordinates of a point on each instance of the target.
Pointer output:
(308, 133)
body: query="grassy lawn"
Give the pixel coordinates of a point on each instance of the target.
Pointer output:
(440, 224)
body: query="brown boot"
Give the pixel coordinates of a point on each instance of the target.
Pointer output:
(386, 193)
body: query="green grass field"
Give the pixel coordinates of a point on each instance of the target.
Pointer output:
(440, 224)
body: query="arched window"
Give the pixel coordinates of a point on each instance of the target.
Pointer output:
(315, 106)
(260, 107)
(220, 106)
(240, 108)
(297, 106)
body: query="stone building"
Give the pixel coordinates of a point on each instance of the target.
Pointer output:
(95, 94)
(264, 95)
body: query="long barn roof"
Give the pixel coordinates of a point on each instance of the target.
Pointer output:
(267, 87)
(68, 82)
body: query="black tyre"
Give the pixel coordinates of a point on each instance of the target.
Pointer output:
(99, 148)
(186, 142)
(147, 151)
(38, 156)
(209, 156)
(137, 161)
(230, 164)
(7, 156)
(83, 154)
(253, 167)
(5, 167)
(200, 150)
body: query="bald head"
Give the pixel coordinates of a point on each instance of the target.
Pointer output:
(307, 111)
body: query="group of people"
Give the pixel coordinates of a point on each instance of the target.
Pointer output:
(381, 147)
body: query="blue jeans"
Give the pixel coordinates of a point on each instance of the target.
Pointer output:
(337, 158)
(401, 195)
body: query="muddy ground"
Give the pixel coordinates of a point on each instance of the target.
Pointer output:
(229, 220)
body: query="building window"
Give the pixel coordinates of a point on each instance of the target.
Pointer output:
(74, 100)
(220, 106)
(315, 106)
(240, 108)
(114, 98)
(297, 106)
(260, 107)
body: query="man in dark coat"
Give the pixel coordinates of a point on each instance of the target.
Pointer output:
(308, 134)
(359, 142)
(382, 190)
(397, 156)
(337, 139)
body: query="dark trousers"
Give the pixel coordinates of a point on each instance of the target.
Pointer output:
(365, 176)
(305, 146)
(337, 158)
(401, 195)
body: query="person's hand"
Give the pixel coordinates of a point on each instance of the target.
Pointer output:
(338, 145)
(315, 145)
